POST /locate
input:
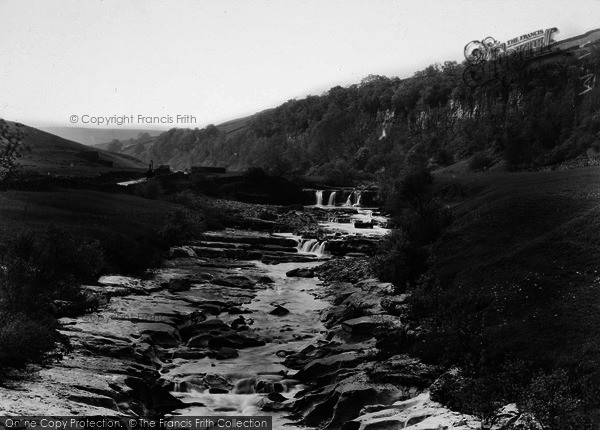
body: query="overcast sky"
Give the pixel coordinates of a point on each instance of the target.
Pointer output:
(221, 59)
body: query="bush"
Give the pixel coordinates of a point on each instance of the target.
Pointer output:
(37, 269)
(132, 255)
(151, 189)
(182, 226)
(398, 260)
(390, 340)
(24, 340)
(549, 397)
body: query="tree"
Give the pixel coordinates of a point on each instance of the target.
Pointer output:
(11, 146)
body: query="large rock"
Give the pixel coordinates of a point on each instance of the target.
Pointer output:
(279, 311)
(182, 252)
(224, 353)
(367, 324)
(329, 365)
(418, 413)
(161, 334)
(301, 272)
(337, 404)
(403, 370)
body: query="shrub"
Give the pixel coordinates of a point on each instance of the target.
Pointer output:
(398, 260)
(40, 268)
(390, 340)
(24, 340)
(182, 226)
(132, 255)
(151, 189)
(549, 397)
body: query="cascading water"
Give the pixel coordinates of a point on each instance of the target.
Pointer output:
(358, 196)
(321, 248)
(312, 246)
(319, 197)
(331, 201)
(349, 200)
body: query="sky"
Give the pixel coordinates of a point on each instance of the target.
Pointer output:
(217, 60)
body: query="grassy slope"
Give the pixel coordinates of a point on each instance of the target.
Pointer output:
(55, 155)
(229, 127)
(529, 243)
(81, 212)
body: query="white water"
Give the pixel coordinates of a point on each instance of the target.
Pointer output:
(349, 200)
(319, 197)
(312, 246)
(294, 331)
(331, 201)
(132, 182)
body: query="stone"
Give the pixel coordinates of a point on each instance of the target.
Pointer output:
(276, 397)
(366, 324)
(223, 353)
(279, 311)
(182, 252)
(300, 272)
(189, 353)
(327, 365)
(162, 334)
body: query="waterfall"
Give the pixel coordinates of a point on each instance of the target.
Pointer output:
(312, 246)
(307, 245)
(358, 196)
(319, 196)
(349, 200)
(331, 201)
(321, 248)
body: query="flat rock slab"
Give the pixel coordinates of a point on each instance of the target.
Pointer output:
(418, 413)
(367, 324)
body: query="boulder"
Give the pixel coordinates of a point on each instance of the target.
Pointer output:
(162, 334)
(328, 365)
(366, 324)
(301, 272)
(189, 353)
(182, 252)
(403, 370)
(237, 340)
(279, 311)
(224, 353)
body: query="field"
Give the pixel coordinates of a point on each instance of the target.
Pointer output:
(53, 155)
(85, 212)
(525, 249)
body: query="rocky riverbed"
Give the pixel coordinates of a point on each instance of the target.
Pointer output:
(242, 322)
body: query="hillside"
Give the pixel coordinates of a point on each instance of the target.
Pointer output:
(530, 113)
(50, 154)
(98, 136)
(140, 147)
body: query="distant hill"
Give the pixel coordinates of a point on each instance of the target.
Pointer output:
(51, 154)
(140, 146)
(97, 136)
